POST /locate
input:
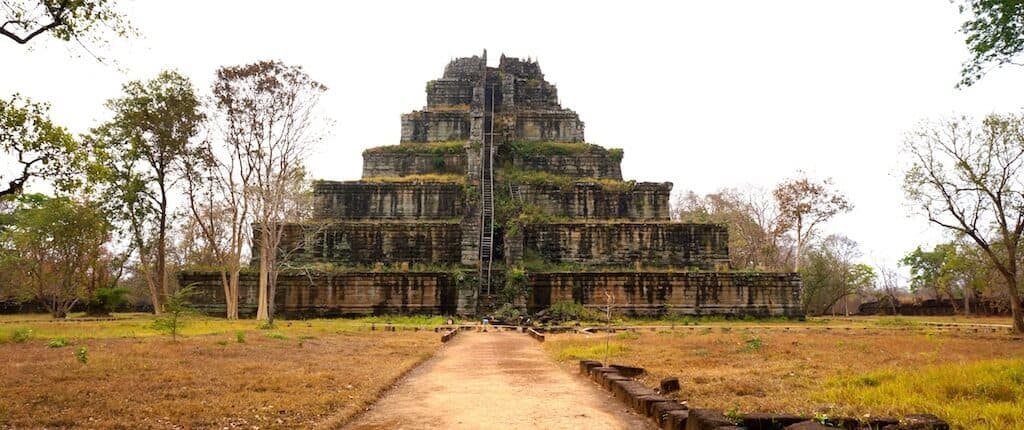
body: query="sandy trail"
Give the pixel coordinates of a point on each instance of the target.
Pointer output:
(496, 380)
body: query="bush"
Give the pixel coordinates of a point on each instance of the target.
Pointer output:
(21, 335)
(567, 310)
(82, 355)
(59, 342)
(508, 312)
(276, 335)
(515, 284)
(176, 309)
(240, 336)
(106, 300)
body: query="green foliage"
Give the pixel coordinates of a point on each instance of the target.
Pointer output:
(82, 355)
(54, 248)
(615, 154)
(276, 335)
(993, 35)
(829, 273)
(952, 269)
(569, 310)
(590, 351)
(427, 148)
(538, 148)
(540, 178)
(240, 336)
(106, 300)
(627, 335)
(515, 284)
(508, 312)
(176, 309)
(59, 342)
(36, 146)
(753, 344)
(85, 21)
(21, 335)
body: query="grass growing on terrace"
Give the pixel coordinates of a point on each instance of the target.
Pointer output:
(430, 148)
(429, 177)
(531, 177)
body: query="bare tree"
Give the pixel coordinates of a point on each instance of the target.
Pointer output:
(805, 204)
(967, 177)
(888, 284)
(216, 180)
(270, 111)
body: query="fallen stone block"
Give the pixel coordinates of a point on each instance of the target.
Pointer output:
(707, 419)
(669, 385)
(760, 421)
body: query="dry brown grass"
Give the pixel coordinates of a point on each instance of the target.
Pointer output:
(211, 381)
(777, 370)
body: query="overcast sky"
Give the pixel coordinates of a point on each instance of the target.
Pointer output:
(703, 94)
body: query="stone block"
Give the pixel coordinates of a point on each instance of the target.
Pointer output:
(659, 411)
(762, 421)
(674, 419)
(586, 365)
(629, 371)
(669, 385)
(706, 419)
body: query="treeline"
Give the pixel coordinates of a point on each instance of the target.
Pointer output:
(174, 177)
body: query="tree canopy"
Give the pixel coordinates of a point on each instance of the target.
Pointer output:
(994, 35)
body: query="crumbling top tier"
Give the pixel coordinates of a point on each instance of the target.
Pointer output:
(523, 104)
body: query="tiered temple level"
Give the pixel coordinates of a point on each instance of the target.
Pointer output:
(407, 237)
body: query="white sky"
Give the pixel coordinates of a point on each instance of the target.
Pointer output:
(703, 94)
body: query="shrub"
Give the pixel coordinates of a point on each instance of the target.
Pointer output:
(82, 355)
(753, 344)
(240, 336)
(508, 312)
(276, 335)
(106, 300)
(21, 335)
(515, 284)
(176, 309)
(566, 310)
(59, 342)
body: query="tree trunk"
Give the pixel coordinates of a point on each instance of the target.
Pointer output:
(967, 302)
(261, 308)
(233, 289)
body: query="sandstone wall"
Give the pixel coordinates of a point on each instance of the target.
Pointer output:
(377, 164)
(556, 125)
(667, 244)
(435, 126)
(369, 243)
(449, 92)
(387, 200)
(689, 293)
(595, 164)
(644, 201)
(334, 294)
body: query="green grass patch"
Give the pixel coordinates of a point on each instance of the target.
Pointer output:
(59, 342)
(430, 148)
(895, 322)
(554, 148)
(985, 394)
(590, 351)
(541, 178)
(426, 177)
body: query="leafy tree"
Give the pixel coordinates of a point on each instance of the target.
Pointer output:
(66, 20)
(177, 307)
(50, 247)
(803, 205)
(994, 35)
(755, 235)
(138, 157)
(38, 147)
(830, 274)
(968, 178)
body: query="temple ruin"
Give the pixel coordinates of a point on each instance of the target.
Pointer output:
(493, 196)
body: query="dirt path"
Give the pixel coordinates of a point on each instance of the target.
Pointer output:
(496, 380)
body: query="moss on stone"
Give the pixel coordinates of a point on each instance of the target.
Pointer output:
(431, 148)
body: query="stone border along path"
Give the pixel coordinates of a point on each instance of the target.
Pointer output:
(496, 379)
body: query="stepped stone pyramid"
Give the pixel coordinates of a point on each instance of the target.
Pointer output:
(494, 197)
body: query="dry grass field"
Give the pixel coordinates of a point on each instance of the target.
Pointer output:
(888, 367)
(221, 374)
